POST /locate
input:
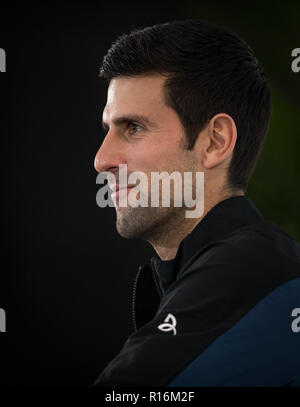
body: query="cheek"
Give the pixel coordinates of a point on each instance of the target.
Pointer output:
(162, 160)
(161, 153)
(146, 157)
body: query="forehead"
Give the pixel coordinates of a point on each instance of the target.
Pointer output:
(142, 95)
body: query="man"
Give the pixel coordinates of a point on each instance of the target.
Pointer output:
(218, 306)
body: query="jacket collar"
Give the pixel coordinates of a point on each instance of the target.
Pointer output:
(223, 219)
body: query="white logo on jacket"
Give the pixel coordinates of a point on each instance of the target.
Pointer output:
(169, 324)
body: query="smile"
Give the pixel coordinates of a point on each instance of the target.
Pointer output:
(120, 191)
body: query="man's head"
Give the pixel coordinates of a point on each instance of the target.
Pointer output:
(183, 96)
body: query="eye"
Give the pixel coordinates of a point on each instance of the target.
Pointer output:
(134, 128)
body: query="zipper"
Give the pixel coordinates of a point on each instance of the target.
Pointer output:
(160, 294)
(133, 297)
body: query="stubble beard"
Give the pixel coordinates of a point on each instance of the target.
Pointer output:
(147, 223)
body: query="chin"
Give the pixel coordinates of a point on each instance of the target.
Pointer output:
(134, 222)
(127, 225)
(128, 232)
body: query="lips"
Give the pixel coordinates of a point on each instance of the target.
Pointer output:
(116, 188)
(120, 192)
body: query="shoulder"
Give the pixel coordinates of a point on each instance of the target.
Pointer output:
(259, 246)
(249, 263)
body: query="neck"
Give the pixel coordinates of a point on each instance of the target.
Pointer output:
(166, 243)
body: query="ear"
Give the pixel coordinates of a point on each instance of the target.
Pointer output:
(221, 136)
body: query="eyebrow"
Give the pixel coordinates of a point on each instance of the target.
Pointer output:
(119, 121)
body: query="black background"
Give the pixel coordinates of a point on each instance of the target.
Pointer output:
(66, 276)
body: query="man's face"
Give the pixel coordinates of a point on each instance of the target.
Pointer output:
(146, 135)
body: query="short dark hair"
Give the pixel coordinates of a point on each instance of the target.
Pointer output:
(210, 70)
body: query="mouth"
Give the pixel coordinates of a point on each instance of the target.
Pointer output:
(119, 191)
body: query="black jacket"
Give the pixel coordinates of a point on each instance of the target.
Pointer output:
(224, 312)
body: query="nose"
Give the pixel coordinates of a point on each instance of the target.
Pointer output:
(109, 156)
